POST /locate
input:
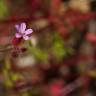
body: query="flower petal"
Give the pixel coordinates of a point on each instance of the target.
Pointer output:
(25, 37)
(28, 31)
(17, 28)
(22, 27)
(18, 35)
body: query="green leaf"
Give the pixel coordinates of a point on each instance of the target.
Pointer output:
(39, 54)
(3, 9)
(58, 48)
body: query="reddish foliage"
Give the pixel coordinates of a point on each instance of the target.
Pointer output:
(91, 37)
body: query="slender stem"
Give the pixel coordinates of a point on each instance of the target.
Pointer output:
(74, 85)
(6, 48)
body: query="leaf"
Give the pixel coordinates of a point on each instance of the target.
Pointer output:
(58, 48)
(3, 9)
(8, 83)
(15, 76)
(39, 54)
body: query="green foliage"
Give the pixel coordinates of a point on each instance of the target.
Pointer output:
(6, 71)
(58, 48)
(3, 9)
(9, 76)
(40, 55)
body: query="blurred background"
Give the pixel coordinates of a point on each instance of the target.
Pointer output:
(60, 58)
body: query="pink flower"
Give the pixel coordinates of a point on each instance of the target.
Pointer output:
(22, 32)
